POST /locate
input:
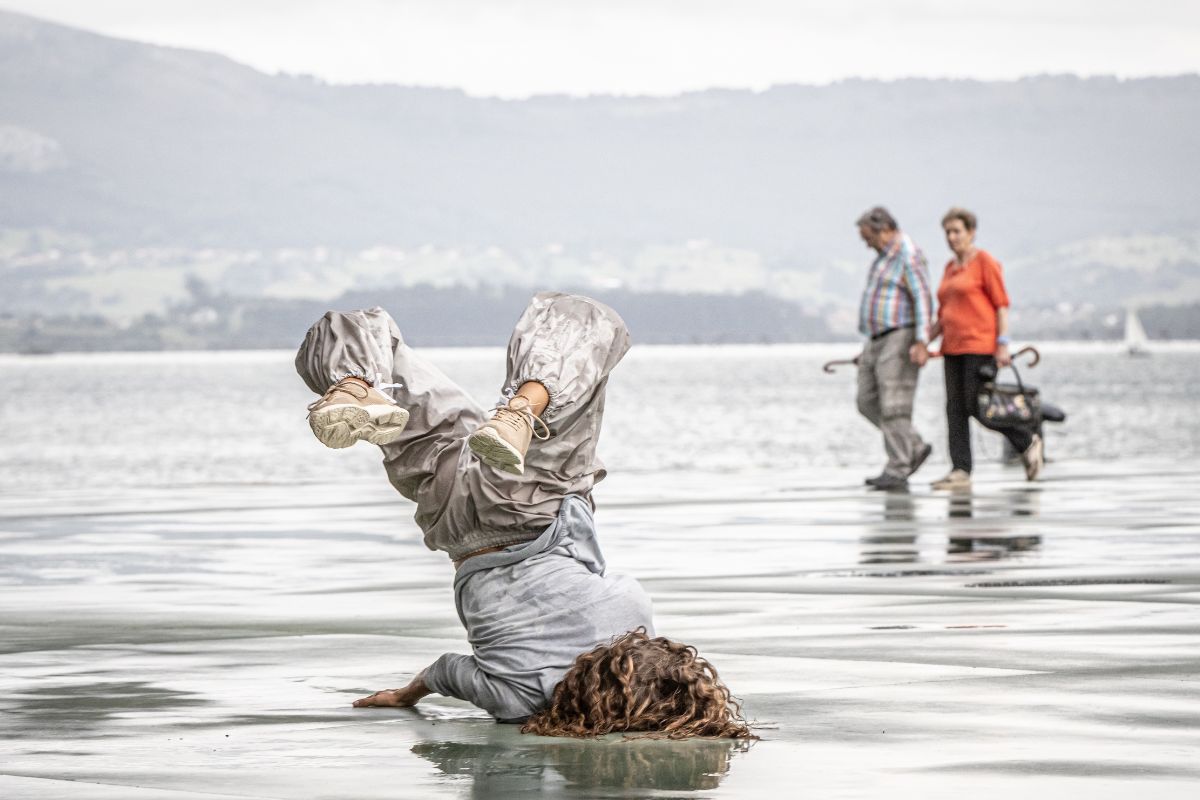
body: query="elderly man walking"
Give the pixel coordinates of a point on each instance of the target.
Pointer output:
(895, 314)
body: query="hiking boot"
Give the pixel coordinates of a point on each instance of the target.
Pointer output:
(887, 483)
(353, 410)
(957, 479)
(1033, 459)
(502, 441)
(919, 458)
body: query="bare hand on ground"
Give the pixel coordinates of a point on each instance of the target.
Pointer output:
(395, 698)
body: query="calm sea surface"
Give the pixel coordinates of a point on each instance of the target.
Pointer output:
(170, 419)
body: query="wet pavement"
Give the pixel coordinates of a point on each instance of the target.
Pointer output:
(1017, 640)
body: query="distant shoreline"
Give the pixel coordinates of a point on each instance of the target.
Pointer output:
(831, 349)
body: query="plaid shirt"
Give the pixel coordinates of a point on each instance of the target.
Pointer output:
(897, 293)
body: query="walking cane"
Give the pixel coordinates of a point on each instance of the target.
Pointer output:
(1034, 355)
(830, 365)
(1033, 352)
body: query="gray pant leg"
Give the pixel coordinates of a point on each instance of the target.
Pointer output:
(359, 343)
(868, 385)
(566, 342)
(569, 344)
(897, 376)
(423, 463)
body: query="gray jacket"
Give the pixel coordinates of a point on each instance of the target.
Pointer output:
(530, 610)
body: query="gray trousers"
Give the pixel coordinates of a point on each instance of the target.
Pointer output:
(567, 343)
(887, 385)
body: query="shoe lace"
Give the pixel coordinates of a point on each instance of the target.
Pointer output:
(353, 388)
(515, 418)
(380, 385)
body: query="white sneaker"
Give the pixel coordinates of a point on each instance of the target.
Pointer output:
(957, 479)
(1033, 459)
(352, 410)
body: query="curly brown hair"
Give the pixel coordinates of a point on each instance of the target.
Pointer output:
(641, 684)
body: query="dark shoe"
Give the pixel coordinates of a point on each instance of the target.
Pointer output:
(886, 483)
(875, 480)
(920, 457)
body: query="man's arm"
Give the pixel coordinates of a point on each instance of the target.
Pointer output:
(916, 279)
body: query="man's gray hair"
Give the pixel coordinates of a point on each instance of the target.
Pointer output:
(878, 219)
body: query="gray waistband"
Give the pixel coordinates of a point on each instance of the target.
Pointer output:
(574, 528)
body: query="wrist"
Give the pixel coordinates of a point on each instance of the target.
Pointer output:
(1003, 340)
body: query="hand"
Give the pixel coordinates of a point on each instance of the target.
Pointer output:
(1003, 359)
(918, 354)
(395, 698)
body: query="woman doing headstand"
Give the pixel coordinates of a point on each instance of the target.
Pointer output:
(557, 642)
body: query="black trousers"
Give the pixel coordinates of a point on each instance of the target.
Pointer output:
(962, 390)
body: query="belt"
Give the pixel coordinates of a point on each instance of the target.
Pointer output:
(458, 562)
(882, 334)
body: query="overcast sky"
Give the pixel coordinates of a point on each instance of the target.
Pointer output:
(514, 48)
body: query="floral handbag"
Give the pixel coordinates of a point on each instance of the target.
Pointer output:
(1007, 405)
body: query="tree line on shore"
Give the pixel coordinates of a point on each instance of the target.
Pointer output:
(457, 316)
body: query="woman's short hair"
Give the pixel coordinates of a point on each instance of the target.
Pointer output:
(638, 684)
(968, 219)
(878, 219)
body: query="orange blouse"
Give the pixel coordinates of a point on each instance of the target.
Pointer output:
(967, 301)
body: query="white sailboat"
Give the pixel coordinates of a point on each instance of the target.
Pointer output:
(1135, 335)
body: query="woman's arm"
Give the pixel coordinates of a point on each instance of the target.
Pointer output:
(1002, 355)
(993, 287)
(454, 675)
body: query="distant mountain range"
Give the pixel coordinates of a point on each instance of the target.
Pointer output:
(114, 152)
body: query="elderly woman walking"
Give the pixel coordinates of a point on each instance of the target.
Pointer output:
(972, 320)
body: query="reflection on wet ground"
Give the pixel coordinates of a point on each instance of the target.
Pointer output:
(84, 707)
(540, 766)
(1017, 639)
(895, 541)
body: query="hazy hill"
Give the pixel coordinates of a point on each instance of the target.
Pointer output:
(130, 171)
(128, 143)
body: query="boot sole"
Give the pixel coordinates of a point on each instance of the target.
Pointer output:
(495, 452)
(342, 425)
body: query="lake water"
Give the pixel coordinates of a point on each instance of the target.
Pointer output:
(192, 589)
(171, 419)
